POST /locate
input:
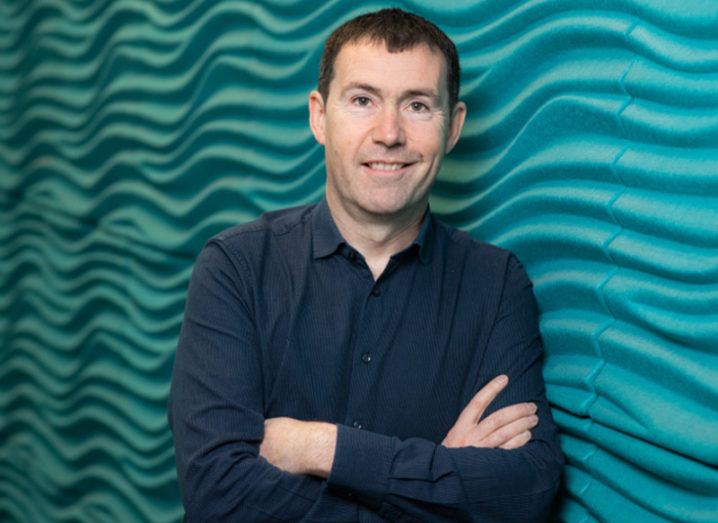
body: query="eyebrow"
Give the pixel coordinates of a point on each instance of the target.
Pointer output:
(362, 87)
(430, 93)
(419, 92)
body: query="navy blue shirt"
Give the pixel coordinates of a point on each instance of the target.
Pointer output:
(284, 318)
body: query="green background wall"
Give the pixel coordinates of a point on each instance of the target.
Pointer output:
(131, 131)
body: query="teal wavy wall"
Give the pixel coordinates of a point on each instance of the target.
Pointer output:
(131, 131)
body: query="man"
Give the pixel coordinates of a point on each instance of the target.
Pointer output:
(343, 361)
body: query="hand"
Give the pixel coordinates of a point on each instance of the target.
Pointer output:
(299, 447)
(507, 428)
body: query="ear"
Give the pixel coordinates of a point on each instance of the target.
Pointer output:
(457, 123)
(316, 116)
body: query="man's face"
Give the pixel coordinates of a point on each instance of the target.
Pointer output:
(385, 126)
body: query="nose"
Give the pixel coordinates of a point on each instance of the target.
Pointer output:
(389, 128)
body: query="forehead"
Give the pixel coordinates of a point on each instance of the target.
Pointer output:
(367, 62)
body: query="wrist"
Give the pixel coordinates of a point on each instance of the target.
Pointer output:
(321, 446)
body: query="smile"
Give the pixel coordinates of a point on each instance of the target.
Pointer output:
(381, 166)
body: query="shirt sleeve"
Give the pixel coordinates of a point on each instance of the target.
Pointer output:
(215, 412)
(416, 479)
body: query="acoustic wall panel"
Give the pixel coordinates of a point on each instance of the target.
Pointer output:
(132, 131)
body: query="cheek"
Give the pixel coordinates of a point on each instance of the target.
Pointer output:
(428, 137)
(344, 148)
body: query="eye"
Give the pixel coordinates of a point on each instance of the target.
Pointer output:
(361, 101)
(418, 107)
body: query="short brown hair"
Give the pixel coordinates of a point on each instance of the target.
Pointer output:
(399, 31)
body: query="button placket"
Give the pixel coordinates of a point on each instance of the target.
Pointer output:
(364, 352)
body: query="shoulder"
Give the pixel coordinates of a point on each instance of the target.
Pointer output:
(245, 252)
(269, 223)
(481, 262)
(464, 245)
(249, 236)
(250, 244)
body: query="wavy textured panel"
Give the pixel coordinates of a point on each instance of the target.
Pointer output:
(132, 131)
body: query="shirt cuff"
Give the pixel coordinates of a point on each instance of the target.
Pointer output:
(362, 463)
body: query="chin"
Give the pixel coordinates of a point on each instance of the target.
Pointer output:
(385, 208)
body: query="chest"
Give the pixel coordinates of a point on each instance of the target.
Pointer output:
(400, 356)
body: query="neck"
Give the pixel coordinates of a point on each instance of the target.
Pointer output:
(377, 238)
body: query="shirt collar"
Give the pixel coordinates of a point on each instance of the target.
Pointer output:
(424, 240)
(326, 238)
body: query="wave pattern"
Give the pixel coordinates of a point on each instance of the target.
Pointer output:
(132, 131)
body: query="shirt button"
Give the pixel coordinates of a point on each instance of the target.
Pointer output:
(366, 357)
(375, 291)
(357, 425)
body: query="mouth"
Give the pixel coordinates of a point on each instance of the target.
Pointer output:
(386, 166)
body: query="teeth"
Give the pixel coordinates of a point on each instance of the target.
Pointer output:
(386, 166)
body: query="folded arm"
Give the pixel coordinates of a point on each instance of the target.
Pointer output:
(216, 408)
(428, 481)
(308, 447)
(457, 480)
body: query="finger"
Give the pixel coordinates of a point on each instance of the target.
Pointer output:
(482, 399)
(506, 433)
(505, 416)
(517, 441)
